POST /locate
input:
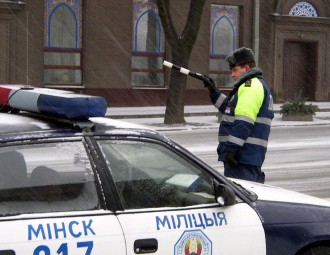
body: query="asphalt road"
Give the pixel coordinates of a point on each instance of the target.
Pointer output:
(298, 158)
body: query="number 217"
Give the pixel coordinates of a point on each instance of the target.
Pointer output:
(63, 249)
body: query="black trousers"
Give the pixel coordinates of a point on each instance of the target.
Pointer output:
(245, 172)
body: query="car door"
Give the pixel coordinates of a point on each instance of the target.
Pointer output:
(170, 207)
(49, 202)
(80, 233)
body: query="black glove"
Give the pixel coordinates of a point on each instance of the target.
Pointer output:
(230, 159)
(210, 84)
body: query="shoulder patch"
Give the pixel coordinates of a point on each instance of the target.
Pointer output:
(248, 83)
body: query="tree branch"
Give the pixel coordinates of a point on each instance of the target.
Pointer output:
(191, 29)
(165, 17)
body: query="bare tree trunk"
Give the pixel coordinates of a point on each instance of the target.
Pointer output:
(181, 47)
(175, 100)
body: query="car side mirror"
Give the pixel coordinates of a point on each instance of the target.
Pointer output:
(224, 195)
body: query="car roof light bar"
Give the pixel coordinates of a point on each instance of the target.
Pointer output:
(52, 102)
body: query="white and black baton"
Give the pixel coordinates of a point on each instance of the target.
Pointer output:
(185, 71)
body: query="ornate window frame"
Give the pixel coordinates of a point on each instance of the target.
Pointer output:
(224, 28)
(303, 8)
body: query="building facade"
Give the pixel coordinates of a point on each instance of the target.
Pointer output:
(297, 42)
(116, 48)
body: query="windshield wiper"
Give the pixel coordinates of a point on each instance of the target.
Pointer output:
(253, 196)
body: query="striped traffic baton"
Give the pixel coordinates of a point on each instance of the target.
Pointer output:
(186, 71)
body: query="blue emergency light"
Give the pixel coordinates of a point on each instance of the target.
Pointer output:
(52, 102)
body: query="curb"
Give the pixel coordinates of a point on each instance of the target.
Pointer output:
(157, 115)
(186, 114)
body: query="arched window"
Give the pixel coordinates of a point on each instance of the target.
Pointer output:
(148, 45)
(303, 9)
(224, 39)
(223, 29)
(63, 43)
(63, 28)
(148, 40)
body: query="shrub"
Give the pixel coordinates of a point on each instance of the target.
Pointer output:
(298, 106)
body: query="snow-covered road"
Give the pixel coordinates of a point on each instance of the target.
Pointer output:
(297, 158)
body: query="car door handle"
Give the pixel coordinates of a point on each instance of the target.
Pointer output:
(145, 246)
(7, 252)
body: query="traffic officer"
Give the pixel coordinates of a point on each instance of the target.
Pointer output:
(245, 124)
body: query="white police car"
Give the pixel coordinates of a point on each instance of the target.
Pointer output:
(81, 184)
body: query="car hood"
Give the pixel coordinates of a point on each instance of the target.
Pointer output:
(276, 194)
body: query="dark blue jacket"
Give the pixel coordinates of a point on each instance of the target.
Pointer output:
(246, 119)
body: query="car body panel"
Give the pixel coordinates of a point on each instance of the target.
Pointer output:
(305, 219)
(276, 194)
(219, 229)
(77, 233)
(291, 226)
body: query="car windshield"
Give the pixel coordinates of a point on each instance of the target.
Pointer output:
(46, 177)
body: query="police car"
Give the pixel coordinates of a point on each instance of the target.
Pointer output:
(73, 182)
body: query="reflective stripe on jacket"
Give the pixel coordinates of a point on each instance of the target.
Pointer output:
(246, 120)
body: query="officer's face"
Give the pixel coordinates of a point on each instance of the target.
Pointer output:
(237, 71)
